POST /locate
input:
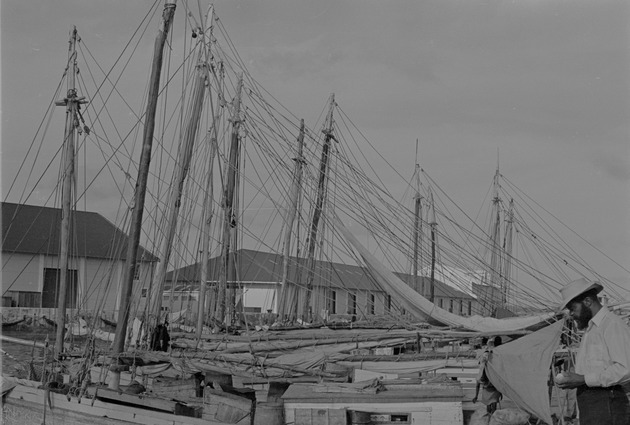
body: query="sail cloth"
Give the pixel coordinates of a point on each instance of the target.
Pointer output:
(416, 304)
(520, 369)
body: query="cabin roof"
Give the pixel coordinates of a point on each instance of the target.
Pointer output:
(266, 267)
(31, 229)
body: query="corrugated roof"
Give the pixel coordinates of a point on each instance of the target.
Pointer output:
(30, 229)
(266, 267)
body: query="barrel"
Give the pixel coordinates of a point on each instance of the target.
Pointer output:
(269, 413)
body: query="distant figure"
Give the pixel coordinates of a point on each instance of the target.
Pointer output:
(490, 396)
(602, 364)
(160, 338)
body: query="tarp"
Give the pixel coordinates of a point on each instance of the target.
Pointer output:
(422, 308)
(520, 369)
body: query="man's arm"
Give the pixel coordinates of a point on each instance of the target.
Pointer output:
(571, 380)
(474, 400)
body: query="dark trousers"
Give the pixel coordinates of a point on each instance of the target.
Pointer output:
(603, 406)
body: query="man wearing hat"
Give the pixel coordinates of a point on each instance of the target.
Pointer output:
(603, 359)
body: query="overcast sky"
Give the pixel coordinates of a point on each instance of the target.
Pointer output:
(543, 82)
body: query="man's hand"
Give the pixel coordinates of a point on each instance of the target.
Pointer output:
(570, 380)
(475, 399)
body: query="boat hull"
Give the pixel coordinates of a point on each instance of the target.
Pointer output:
(27, 404)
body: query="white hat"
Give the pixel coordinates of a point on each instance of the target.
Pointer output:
(577, 288)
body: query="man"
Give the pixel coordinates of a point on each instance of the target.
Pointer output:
(603, 359)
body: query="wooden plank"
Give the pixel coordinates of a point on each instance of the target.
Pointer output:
(137, 400)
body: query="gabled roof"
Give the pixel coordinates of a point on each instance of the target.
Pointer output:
(266, 267)
(30, 229)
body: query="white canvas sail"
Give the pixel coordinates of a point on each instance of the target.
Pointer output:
(526, 384)
(421, 307)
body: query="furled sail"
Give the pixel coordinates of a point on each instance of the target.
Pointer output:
(417, 305)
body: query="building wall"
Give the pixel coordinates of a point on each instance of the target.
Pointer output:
(98, 280)
(21, 272)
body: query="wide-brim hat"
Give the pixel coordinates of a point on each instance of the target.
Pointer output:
(577, 288)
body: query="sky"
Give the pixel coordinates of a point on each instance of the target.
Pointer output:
(539, 86)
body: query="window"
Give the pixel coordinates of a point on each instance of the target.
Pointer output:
(50, 294)
(461, 307)
(388, 303)
(332, 306)
(450, 308)
(371, 304)
(352, 303)
(440, 303)
(469, 308)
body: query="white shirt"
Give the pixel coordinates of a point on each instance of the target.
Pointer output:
(604, 354)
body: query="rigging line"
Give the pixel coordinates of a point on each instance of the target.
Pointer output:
(395, 169)
(32, 144)
(242, 66)
(572, 254)
(151, 12)
(570, 230)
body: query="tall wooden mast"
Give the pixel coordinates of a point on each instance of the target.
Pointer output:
(285, 301)
(229, 198)
(321, 193)
(71, 102)
(141, 182)
(495, 235)
(184, 156)
(208, 204)
(433, 224)
(507, 254)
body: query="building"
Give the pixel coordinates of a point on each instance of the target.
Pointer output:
(338, 289)
(30, 260)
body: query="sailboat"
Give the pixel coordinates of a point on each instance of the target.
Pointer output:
(319, 228)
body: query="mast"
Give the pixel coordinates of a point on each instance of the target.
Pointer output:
(495, 235)
(285, 301)
(208, 208)
(141, 181)
(184, 156)
(71, 102)
(417, 228)
(321, 190)
(507, 250)
(229, 218)
(208, 212)
(433, 224)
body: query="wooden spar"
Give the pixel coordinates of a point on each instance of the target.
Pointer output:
(180, 173)
(208, 212)
(321, 191)
(417, 231)
(495, 235)
(507, 250)
(433, 224)
(287, 292)
(229, 218)
(208, 207)
(71, 102)
(141, 182)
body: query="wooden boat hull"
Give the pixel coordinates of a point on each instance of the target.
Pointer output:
(28, 404)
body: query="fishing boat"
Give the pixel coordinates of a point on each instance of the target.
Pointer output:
(295, 212)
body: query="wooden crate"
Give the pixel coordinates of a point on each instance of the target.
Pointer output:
(320, 417)
(171, 387)
(226, 407)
